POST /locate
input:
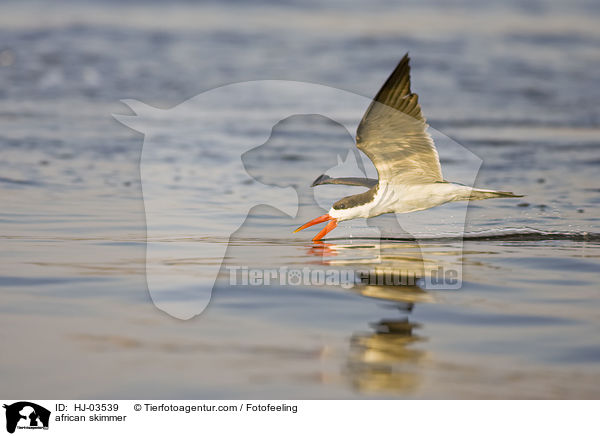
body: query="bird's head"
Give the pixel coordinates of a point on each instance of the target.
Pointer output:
(353, 206)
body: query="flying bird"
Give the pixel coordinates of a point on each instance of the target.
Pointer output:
(393, 134)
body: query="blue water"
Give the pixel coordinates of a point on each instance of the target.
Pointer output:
(516, 84)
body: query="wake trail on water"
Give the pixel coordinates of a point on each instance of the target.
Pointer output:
(498, 235)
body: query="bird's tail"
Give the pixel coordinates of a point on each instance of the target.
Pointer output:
(481, 194)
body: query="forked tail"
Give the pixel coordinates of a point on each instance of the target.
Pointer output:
(481, 194)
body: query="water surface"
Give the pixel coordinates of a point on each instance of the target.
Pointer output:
(516, 84)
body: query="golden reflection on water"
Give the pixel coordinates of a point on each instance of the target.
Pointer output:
(388, 359)
(392, 262)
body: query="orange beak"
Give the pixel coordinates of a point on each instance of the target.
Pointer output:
(328, 228)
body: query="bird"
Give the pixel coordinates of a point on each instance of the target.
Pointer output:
(393, 135)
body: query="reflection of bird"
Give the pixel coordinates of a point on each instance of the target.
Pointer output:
(393, 135)
(386, 361)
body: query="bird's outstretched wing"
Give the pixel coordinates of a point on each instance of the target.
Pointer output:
(324, 179)
(392, 133)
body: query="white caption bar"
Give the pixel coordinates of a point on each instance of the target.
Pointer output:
(362, 417)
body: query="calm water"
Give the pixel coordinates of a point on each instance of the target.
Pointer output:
(516, 84)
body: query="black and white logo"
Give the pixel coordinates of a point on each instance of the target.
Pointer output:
(26, 415)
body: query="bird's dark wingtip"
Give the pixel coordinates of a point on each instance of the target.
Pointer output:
(320, 180)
